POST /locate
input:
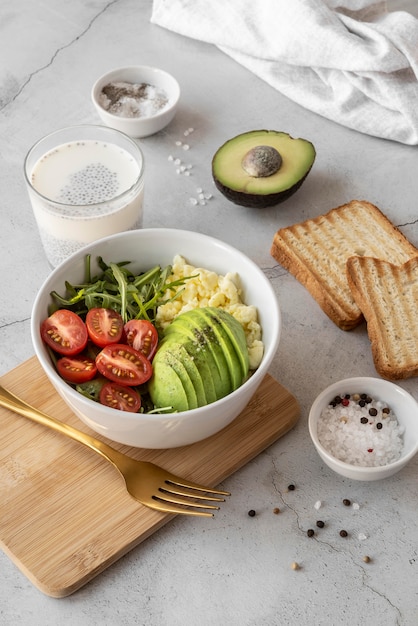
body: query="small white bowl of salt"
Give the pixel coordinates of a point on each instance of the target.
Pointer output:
(138, 100)
(364, 428)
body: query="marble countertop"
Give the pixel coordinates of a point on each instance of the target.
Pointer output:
(233, 569)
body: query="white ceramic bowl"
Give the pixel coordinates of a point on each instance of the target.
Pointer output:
(149, 247)
(401, 403)
(142, 126)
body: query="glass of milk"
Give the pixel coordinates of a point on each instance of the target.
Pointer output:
(85, 182)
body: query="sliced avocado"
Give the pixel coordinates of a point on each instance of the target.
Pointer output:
(165, 387)
(231, 333)
(262, 168)
(224, 336)
(199, 357)
(170, 358)
(197, 328)
(184, 331)
(181, 355)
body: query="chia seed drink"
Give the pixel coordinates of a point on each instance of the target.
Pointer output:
(84, 183)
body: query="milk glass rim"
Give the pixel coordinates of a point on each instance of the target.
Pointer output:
(107, 130)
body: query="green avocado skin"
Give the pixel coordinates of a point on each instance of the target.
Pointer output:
(254, 201)
(201, 358)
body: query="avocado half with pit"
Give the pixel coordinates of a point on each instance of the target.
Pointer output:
(262, 168)
(202, 357)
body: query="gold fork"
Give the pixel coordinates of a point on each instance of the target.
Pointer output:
(148, 483)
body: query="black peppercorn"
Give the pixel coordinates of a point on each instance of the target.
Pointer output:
(373, 412)
(346, 502)
(379, 425)
(251, 513)
(310, 532)
(343, 533)
(291, 487)
(320, 523)
(364, 420)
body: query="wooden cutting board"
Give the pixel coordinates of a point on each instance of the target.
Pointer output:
(65, 515)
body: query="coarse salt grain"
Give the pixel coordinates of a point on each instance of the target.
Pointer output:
(353, 436)
(318, 505)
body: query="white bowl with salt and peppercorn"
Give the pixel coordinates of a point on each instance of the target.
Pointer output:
(364, 428)
(137, 100)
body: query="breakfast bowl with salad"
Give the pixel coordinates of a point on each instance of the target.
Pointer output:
(156, 338)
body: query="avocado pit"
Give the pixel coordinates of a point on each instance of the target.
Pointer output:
(262, 161)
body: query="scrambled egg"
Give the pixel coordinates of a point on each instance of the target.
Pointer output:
(210, 289)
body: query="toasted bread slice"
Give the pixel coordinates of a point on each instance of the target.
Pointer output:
(316, 252)
(388, 296)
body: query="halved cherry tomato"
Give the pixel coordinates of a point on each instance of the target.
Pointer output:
(104, 326)
(120, 397)
(76, 369)
(142, 336)
(64, 332)
(124, 365)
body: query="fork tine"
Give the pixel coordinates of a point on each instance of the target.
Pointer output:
(190, 493)
(171, 479)
(167, 507)
(168, 496)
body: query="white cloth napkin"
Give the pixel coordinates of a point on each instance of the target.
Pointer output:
(350, 61)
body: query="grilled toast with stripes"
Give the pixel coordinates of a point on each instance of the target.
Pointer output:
(316, 252)
(388, 297)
